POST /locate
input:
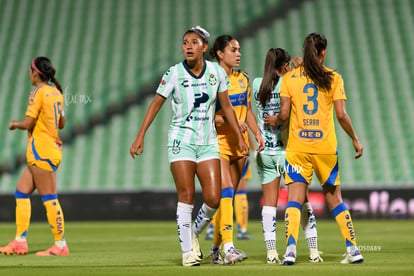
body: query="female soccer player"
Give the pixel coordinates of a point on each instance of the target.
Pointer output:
(44, 117)
(195, 84)
(226, 50)
(308, 93)
(270, 162)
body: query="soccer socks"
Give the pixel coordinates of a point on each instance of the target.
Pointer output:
(292, 221)
(184, 212)
(241, 210)
(216, 231)
(308, 222)
(55, 218)
(23, 213)
(226, 218)
(203, 218)
(269, 226)
(344, 220)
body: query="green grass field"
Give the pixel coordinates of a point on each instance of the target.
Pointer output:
(152, 248)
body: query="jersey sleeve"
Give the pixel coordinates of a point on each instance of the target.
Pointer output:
(338, 88)
(224, 82)
(35, 103)
(167, 84)
(249, 92)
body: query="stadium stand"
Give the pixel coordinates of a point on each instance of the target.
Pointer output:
(110, 55)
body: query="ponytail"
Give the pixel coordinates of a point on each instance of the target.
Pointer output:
(275, 59)
(313, 46)
(57, 84)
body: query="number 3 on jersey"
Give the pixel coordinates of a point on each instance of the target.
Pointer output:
(312, 91)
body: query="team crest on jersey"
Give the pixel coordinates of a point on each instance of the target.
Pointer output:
(212, 80)
(241, 83)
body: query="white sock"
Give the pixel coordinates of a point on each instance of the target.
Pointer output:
(227, 246)
(61, 243)
(269, 226)
(184, 212)
(308, 222)
(204, 216)
(20, 238)
(291, 248)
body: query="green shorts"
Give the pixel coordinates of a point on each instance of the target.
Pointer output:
(180, 151)
(270, 167)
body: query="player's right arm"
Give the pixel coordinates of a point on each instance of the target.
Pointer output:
(155, 106)
(27, 123)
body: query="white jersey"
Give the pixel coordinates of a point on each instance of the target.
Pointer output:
(193, 102)
(271, 135)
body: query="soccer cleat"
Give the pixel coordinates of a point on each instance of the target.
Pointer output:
(233, 256)
(196, 248)
(215, 256)
(15, 247)
(54, 251)
(272, 257)
(314, 256)
(244, 236)
(355, 258)
(189, 259)
(289, 259)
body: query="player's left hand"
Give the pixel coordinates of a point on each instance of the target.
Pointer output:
(359, 149)
(242, 126)
(260, 143)
(270, 120)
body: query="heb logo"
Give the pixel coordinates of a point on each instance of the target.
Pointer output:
(310, 134)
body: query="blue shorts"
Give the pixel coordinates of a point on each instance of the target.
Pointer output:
(300, 166)
(270, 167)
(180, 151)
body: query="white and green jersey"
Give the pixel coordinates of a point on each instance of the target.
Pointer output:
(271, 135)
(193, 102)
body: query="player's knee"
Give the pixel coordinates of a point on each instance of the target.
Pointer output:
(213, 202)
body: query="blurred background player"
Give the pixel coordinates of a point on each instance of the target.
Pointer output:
(270, 162)
(226, 50)
(192, 138)
(308, 94)
(44, 117)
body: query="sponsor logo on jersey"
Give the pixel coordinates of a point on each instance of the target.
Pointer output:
(184, 83)
(200, 98)
(310, 134)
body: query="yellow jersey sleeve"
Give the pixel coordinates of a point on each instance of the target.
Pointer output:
(35, 103)
(338, 88)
